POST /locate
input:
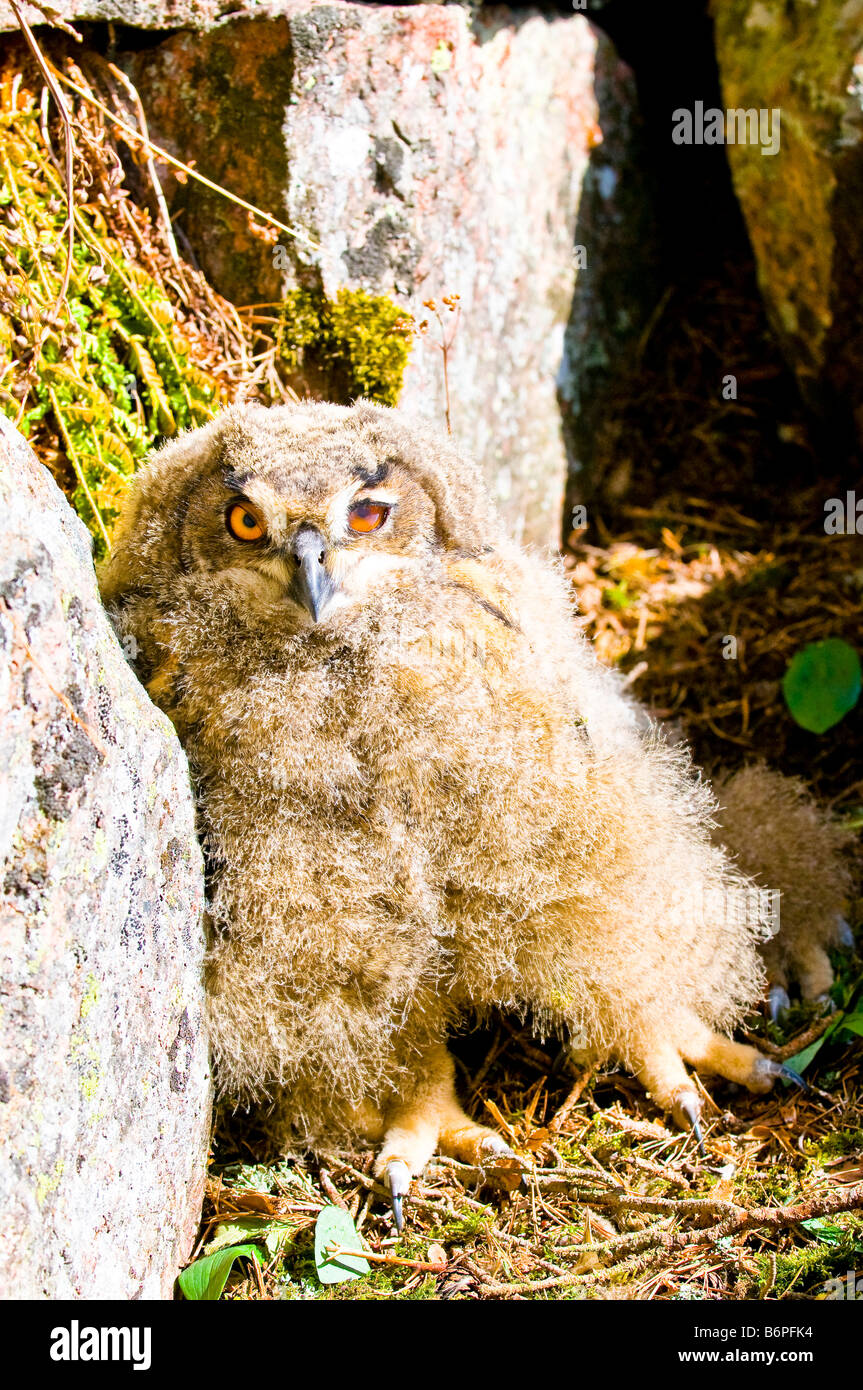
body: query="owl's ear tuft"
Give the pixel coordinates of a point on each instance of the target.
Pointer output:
(466, 519)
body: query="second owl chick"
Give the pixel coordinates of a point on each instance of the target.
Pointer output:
(778, 834)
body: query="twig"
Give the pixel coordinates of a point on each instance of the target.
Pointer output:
(49, 75)
(335, 1250)
(736, 1220)
(790, 1049)
(572, 1099)
(186, 168)
(151, 166)
(332, 1192)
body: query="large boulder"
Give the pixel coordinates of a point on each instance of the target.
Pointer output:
(802, 204)
(423, 151)
(139, 14)
(104, 1078)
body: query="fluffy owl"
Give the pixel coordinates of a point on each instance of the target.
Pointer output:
(422, 799)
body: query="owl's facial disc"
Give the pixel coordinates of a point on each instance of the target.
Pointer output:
(319, 542)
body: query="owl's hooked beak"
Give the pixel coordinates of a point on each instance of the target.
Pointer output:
(312, 586)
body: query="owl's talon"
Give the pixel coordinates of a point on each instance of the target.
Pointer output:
(778, 1002)
(687, 1114)
(766, 1067)
(789, 1074)
(844, 934)
(399, 1182)
(504, 1167)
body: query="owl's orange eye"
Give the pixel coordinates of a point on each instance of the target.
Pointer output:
(244, 523)
(367, 516)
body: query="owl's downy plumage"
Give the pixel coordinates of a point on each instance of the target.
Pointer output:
(421, 796)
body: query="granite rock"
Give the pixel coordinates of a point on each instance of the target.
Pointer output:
(104, 1073)
(802, 203)
(422, 151)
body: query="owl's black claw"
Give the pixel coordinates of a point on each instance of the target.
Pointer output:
(687, 1113)
(767, 1067)
(789, 1074)
(399, 1180)
(844, 934)
(778, 1002)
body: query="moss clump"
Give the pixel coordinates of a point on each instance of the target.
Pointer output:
(806, 1269)
(837, 1144)
(352, 343)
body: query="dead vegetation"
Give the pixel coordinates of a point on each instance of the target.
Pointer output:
(615, 1206)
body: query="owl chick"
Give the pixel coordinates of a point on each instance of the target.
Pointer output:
(779, 835)
(421, 797)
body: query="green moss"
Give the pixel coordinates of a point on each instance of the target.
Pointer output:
(98, 370)
(806, 1269)
(835, 1145)
(796, 58)
(351, 342)
(462, 1228)
(96, 377)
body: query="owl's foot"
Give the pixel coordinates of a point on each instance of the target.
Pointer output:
(407, 1149)
(812, 967)
(433, 1119)
(485, 1149)
(663, 1073)
(778, 1002)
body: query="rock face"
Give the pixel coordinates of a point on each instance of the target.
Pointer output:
(802, 205)
(139, 14)
(424, 151)
(104, 1080)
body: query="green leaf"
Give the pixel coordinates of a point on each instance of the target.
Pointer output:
(335, 1226)
(204, 1280)
(822, 684)
(803, 1058)
(823, 1229)
(854, 1023)
(275, 1234)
